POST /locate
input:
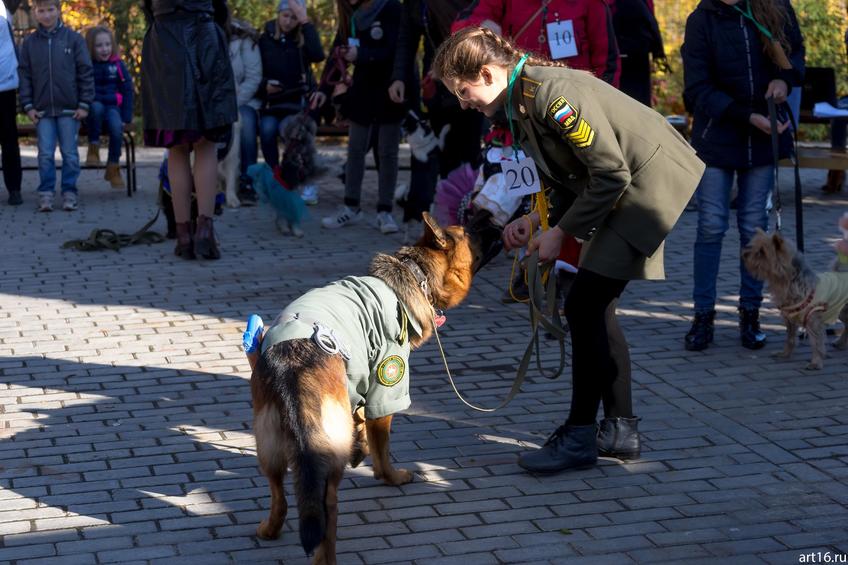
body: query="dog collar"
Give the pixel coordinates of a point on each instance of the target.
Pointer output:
(414, 268)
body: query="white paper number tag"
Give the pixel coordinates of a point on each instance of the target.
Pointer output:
(561, 39)
(521, 177)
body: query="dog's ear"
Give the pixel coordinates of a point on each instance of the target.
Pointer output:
(433, 233)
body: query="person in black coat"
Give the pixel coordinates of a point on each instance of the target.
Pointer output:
(288, 46)
(189, 104)
(431, 20)
(736, 55)
(367, 38)
(639, 38)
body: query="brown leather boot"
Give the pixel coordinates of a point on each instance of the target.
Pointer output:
(113, 175)
(835, 180)
(92, 158)
(205, 243)
(184, 247)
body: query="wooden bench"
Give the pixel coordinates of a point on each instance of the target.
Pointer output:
(819, 86)
(129, 166)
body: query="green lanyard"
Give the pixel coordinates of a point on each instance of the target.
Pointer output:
(353, 23)
(515, 73)
(748, 13)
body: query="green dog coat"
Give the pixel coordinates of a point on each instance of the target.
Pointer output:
(361, 319)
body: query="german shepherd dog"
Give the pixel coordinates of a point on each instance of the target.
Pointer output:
(303, 418)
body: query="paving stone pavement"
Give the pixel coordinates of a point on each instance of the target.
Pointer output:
(125, 422)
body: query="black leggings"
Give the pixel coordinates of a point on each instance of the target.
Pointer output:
(590, 311)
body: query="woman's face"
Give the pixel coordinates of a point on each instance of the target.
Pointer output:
(102, 46)
(286, 20)
(486, 94)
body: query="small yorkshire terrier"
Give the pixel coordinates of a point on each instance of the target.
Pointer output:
(804, 298)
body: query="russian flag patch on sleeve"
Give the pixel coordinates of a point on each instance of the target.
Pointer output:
(563, 113)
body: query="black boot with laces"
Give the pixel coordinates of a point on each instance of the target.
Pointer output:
(749, 328)
(569, 447)
(701, 333)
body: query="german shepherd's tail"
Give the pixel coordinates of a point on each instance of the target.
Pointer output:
(312, 389)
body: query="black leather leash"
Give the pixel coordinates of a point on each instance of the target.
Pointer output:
(775, 151)
(100, 239)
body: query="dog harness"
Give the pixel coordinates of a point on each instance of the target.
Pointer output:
(360, 319)
(829, 297)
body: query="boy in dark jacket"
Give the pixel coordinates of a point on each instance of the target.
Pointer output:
(56, 91)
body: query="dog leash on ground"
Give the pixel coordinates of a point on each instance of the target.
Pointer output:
(549, 320)
(100, 239)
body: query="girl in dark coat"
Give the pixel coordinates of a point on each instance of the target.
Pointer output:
(288, 45)
(189, 104)
(113, 101)
(734, 59)
(369, 37)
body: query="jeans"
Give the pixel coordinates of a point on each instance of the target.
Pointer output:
(388, 144)
(249, 146)
(269, 133)
(713, 198)
(98, 114)
(66, 129)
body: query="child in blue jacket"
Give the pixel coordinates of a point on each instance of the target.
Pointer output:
(113, 101)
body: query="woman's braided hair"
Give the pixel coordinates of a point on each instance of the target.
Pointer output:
(463, 54)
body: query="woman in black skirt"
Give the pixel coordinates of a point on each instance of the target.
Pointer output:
(189, 104)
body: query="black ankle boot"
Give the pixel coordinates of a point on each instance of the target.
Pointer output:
(619, 438)
(184, 248)
(569, 447)
(749, 328)
(701, 333)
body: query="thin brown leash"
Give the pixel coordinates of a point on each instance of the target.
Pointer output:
(551, 323)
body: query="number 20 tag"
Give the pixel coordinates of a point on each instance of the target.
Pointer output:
(521, 177)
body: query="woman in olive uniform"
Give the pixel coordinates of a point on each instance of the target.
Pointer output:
(621, 177)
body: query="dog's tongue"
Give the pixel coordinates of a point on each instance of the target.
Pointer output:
(440, 320)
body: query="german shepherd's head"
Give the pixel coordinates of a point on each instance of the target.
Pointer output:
(448, 257)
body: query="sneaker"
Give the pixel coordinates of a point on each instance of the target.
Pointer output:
(246, 196)
(386, 223)
(345, 217)
(15, 198)
(45, 202)
(310, 194)
(69, 202)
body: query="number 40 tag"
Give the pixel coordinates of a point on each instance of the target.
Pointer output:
(521, 177)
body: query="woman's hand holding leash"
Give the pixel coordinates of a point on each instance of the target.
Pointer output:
(762, 123)
(778, 89)
(548, 244)
(517, 233)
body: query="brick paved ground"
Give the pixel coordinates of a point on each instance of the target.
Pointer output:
(125, 412)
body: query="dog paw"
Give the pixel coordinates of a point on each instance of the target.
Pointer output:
(397, 477)
(267, 531)
(781, 355)
(814, 366)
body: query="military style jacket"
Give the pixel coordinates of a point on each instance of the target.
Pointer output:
(370, 328)
(626, 174)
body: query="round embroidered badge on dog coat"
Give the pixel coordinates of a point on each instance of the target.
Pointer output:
(390, 371)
